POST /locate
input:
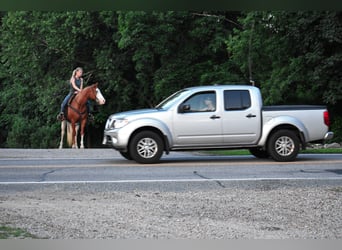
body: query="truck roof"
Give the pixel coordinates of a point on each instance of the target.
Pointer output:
(222, 86)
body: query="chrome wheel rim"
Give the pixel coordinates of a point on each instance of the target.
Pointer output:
(284, 146)
(147, 148)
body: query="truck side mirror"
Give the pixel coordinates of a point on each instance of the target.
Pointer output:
(184, 108)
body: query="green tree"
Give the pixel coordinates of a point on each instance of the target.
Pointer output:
(172, 50)
(137, 57)
(38, 52)
(141, 57)
(296, 56)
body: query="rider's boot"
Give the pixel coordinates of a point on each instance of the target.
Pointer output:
(60, 116)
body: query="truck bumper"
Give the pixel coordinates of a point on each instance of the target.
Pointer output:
(110, 138)
(329, 135)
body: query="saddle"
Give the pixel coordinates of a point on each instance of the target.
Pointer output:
(71, 98)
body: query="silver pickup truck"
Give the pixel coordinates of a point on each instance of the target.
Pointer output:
(216, 117)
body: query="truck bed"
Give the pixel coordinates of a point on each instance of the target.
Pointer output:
(292, 107)
(312, 123)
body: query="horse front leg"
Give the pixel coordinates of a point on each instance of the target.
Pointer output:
(83, 124)
(74, 139)
(63, 125)
(82, 143)
(76, 135)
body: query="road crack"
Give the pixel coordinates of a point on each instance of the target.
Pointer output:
(44, 175)
(207, 178)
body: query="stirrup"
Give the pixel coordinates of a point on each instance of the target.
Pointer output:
(91, 117)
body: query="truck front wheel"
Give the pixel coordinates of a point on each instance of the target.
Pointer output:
(126, 155)
(283, 145)
(146, 147)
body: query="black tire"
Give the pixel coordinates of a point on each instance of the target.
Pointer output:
(126, 155)
(146, 147)
(259, 153)
(283, 145)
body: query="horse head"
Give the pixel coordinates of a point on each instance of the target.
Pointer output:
(97, 95)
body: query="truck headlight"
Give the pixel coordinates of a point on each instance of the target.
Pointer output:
(118, 123)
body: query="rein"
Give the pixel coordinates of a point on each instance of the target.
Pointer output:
(76, 110)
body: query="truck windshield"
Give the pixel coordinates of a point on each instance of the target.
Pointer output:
(168, 102)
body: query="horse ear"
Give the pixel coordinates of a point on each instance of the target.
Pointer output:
(96, 84)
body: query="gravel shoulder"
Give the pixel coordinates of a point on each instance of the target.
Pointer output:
(291, 213)
(272, 212)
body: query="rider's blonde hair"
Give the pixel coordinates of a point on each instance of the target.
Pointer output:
(74, 72)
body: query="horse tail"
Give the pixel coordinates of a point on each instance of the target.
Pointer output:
(69, 133)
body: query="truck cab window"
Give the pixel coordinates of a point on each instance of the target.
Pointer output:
(237, 99)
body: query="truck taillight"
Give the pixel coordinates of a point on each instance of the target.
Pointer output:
(326, 118)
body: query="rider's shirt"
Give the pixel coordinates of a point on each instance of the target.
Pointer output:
(78, 84)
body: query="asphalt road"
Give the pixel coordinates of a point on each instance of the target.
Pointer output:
(96, 194)
(29, 168)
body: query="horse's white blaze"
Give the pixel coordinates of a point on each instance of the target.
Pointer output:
(99, 97)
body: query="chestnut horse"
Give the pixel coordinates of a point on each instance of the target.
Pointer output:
(77, 113)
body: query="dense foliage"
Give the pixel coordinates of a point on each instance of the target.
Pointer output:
(139, 58)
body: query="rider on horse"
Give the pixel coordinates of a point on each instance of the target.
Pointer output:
(76, 85)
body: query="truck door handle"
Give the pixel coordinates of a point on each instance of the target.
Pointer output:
(215, 117)
(250, 116)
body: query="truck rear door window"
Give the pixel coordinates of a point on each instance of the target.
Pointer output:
(237, 99)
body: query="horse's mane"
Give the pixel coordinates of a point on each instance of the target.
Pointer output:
(85, 91)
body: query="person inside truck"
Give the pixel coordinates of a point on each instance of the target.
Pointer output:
(209, 105)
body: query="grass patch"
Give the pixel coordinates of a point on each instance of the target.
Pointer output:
(14, 233)
(246, 152)
(322, 151)
(227, 152)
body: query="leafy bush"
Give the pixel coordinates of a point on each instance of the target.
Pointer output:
(336, 127)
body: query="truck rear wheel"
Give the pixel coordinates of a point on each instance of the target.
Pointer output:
(146, 147)
(283, 145)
